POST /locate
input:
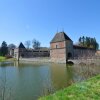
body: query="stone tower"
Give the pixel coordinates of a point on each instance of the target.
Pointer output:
(19, 52)
(61, 48)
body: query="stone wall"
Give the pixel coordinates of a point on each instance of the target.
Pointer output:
(36, 53)
(69, 49)
(24, 53)
(16, 53)
(11, 52)
(83, 53)
(97, 53)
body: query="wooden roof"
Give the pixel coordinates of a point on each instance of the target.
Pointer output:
(61, 36)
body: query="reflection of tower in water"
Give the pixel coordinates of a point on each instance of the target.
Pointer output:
(16, 63)
(61, 76)
(70, 75)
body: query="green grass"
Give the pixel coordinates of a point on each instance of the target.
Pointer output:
(87, 90)
(2, 58)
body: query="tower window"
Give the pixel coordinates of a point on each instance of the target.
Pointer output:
(56, 46)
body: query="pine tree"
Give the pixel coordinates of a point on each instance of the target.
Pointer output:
(4, 48)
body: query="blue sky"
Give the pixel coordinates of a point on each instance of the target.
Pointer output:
(22, 20)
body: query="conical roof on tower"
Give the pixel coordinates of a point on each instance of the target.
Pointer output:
(61, 36)
(21, 45)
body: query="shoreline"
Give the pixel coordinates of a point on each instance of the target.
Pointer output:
(75, 61)
(48, 60)
(88, 89)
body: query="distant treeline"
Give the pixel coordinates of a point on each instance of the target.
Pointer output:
(88, 42)
(4, 48)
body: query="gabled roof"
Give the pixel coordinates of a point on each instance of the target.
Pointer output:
(21, 45)
(61, 36)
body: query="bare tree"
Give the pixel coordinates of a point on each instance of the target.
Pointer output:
(28, 43)
(12, 46)
(36, 44)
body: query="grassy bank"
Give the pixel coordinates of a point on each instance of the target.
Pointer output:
(89, 90)
(2, 58)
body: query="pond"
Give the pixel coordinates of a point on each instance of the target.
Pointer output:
(29, 81)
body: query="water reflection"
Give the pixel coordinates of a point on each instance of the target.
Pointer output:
(32, 80)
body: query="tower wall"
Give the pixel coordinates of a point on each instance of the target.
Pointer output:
(69, 49)
(58, 51)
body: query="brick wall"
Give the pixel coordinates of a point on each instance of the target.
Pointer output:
(57, 45)
(58, 54)
(58, 51)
